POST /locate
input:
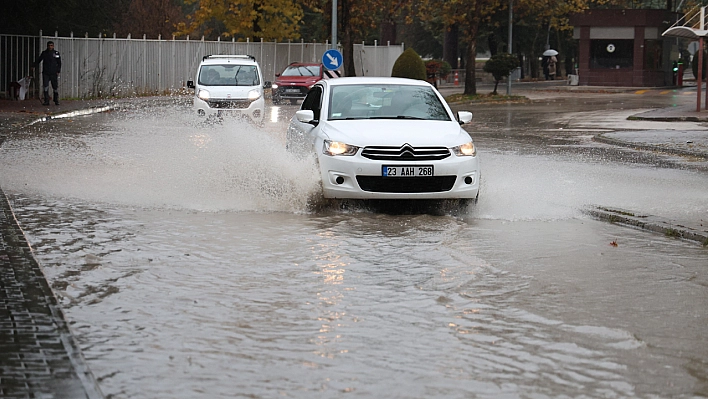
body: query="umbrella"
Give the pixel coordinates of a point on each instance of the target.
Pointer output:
(550, 52)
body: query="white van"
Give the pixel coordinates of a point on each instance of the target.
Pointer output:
(229, 85)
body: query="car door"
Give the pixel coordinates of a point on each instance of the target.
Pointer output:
(301, 135)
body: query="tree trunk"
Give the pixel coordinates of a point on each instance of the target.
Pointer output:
(471, 64)
(450, 46)
(387, 31)
(347, 41)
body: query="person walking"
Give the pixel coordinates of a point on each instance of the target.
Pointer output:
(51, 69)
(544, 64)
(552, 63)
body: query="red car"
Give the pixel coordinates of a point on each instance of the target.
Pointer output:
(295, 81)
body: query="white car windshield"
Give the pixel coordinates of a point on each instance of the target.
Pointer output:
(228, 75)
(381, 101)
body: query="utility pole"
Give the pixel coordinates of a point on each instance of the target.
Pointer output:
(511, 15)
(334, 24)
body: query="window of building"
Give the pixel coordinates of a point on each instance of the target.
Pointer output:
(611, 53)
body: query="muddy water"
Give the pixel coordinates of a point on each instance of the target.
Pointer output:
(195, 261)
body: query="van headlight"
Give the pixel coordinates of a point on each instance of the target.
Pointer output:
(465, 150)
(254, 95)
(203, 94)
(333, 148)
(274, 86)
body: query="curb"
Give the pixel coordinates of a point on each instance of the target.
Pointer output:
(40, 354)
(667, 118)
(600, 138)
(651, 223)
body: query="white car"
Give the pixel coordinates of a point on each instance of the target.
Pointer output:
(229, 85)
(386, 138)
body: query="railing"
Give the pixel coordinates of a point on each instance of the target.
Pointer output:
(99, 67)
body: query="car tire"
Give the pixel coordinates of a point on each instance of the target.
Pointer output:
(293, 101)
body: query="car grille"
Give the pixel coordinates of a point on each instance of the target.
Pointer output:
(405, 152)
(428, 184)
(229, 104)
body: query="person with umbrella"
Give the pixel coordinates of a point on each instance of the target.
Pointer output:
(549, 64)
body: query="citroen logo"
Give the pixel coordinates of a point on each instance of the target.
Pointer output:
(407, 151)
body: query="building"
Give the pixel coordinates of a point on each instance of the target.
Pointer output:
(625, 47)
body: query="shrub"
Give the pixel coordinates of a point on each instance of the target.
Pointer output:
(409, 65)
(439, 68)
(500, 66)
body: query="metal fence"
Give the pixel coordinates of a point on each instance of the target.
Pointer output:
(100, 67)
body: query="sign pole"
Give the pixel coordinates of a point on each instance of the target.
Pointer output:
(334, 24)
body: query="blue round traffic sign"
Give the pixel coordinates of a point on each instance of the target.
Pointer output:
(332, 59)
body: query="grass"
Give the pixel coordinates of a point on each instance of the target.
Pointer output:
(485, 98)
(672, 233)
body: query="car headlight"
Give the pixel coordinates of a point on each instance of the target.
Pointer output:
(465, 150)
(203, 94)
(333, 148)
(254, 95)
(274, 86)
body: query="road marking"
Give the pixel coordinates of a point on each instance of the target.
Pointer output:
(640, 91)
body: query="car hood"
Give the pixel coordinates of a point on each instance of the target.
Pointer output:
(300, 80)
(385, 132)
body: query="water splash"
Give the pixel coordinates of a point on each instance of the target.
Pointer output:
(160, 159)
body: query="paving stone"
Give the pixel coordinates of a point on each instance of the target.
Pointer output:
(39, 358)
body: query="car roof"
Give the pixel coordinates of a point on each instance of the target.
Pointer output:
(304, 64)
(228, 59)
(374, 80)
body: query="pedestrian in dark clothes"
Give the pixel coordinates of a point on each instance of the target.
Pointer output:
(51, 69)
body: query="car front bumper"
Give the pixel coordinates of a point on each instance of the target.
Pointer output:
(297, 92)
(355, 177)
(231, 107)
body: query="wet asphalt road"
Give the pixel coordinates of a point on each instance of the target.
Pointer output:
(194, 261)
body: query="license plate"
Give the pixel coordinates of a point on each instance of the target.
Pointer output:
(407, 171)
(292, 90)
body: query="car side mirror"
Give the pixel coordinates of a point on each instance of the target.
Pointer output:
(306, 116)
(267, 85)
(277, 75)
(464, 117)
(190, 84)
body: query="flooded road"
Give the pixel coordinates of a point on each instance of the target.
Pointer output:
(195, 261)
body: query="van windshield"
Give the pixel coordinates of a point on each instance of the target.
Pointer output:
(229, 75)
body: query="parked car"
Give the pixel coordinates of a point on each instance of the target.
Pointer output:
(295, 81)
(386, 138)
(229, 85)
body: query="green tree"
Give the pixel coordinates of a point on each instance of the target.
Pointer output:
(467, 15)
(151, 18)
(500, 66)
(357, 19)
(267, 19)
